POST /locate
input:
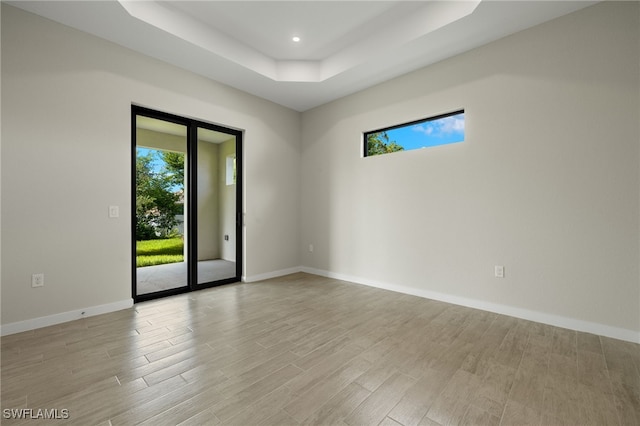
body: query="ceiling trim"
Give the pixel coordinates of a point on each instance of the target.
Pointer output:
(427, 19)
(370, 45)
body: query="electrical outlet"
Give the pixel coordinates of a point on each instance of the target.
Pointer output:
(37, 280)
(499, 271)
(310, 248)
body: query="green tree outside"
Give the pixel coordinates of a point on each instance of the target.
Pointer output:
(379, 143)
(174, 165)
(156, 204)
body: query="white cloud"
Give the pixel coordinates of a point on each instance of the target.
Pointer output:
(427, 130)
(442, 127)
(452, 124)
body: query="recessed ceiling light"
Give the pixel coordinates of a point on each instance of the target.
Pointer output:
(296, 39)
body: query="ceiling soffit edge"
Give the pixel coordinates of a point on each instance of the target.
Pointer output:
(431, 17)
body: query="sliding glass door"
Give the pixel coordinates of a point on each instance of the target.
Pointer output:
(186, 198)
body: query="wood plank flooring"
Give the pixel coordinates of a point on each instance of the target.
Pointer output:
(303, 350)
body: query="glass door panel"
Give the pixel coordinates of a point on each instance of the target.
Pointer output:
(160, 216)
(215, 206)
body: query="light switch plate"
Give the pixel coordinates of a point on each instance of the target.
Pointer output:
(114, 211)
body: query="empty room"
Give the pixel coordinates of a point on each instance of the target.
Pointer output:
(320, 212)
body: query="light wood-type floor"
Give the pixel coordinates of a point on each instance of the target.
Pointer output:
(309, 350)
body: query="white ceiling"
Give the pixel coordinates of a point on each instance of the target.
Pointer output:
(345, 46)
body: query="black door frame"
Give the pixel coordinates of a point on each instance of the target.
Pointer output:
(192, 126)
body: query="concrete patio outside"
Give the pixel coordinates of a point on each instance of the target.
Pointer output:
(173, 275)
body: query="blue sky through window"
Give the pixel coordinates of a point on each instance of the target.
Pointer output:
(157, 162)
(441, 131)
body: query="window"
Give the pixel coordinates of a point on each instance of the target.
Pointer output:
(231, 170)
(439, 130)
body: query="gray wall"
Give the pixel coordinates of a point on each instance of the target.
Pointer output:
(66, 157)
(227, 203)
(209, 239)
(545, 184)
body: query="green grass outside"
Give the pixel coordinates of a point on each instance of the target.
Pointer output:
(159, 252)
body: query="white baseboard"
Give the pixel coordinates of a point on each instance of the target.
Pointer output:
(32, 324)
(273, 274)
(541, 317)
